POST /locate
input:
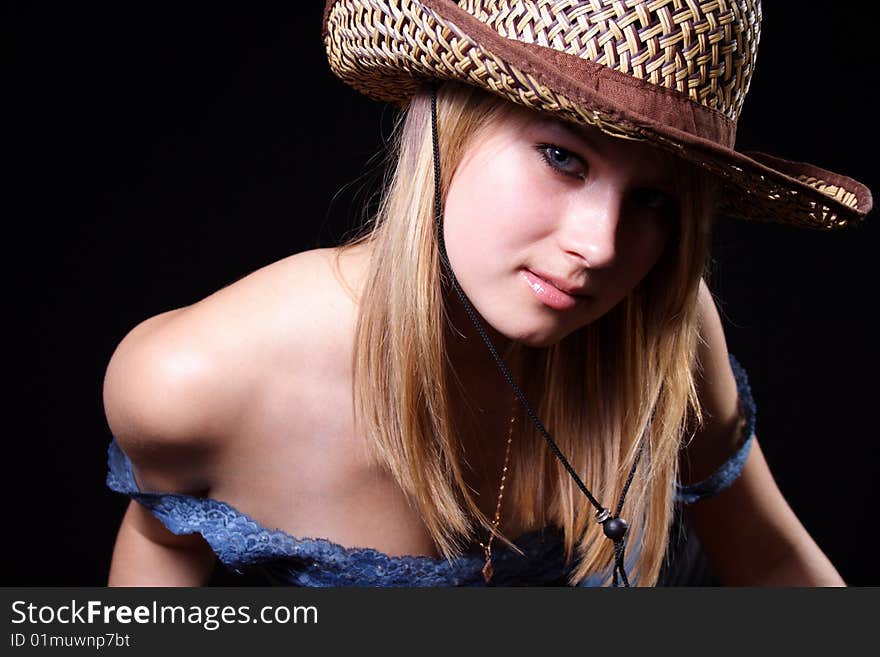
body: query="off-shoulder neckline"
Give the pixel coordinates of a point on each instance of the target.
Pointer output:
(127, 481)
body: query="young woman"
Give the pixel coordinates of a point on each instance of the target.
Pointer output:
(516, 374)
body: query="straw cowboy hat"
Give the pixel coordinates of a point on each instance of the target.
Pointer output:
(672, 72)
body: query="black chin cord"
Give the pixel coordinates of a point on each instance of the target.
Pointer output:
(614, 526)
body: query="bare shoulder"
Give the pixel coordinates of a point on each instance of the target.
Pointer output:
(180, 384)
(716, 387)
(714, 375)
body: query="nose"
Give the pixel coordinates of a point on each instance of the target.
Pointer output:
(591, 230)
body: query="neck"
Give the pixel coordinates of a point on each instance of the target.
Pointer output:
(469, 355)
(481, 399)
(481, 402)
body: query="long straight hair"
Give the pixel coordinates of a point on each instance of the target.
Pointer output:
(600, 391)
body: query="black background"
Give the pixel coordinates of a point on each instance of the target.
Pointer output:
(160, 152)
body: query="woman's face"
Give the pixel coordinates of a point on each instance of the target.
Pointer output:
(549, 225)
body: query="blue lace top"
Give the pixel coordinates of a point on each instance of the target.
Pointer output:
(244, 545)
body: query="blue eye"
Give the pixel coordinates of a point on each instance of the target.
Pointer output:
(656, 200)
(562, 161)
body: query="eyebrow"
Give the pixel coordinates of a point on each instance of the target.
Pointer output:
(576, 132)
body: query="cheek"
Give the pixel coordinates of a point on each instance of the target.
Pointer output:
(646, 245)
(494, 206)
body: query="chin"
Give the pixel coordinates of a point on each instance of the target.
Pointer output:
(538, 338)
(540, 343)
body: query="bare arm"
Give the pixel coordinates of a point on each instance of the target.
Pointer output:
(147, 554)
(753, 538)
(749, 532)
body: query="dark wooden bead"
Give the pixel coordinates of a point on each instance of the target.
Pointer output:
(615, 528)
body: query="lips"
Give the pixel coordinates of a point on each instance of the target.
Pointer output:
(560, 284)
(547, 293)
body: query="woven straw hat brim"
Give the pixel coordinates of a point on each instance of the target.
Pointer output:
(388, 49)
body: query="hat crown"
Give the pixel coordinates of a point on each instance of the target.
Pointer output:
(705, 49)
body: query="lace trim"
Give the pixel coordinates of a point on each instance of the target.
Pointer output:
(731, 469)
(242, 543)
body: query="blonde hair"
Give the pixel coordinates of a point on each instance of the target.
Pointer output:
(598, 391)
